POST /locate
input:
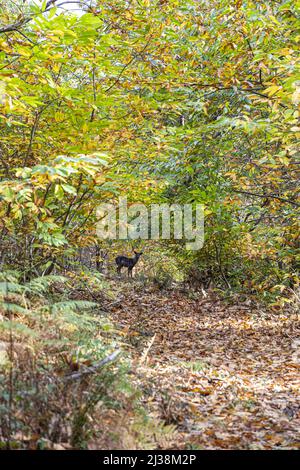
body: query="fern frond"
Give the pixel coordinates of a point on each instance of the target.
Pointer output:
(11, 287)
(8, 307)
(72, 306)
(10, 276)
(18, 328)
(41, 284)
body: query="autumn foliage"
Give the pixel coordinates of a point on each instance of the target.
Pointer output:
(162, 101)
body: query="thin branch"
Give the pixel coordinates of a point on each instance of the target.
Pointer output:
(94, 368)
(145, 353)
(32, 135)
(219, 261)
(268, 196)
(26, 37)
(127, 65)
(15, 26)
(34, 129)
(254, 92)
(94, 90)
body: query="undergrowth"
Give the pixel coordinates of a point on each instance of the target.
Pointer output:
(51, 397)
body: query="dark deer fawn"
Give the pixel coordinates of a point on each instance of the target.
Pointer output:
(124, 262)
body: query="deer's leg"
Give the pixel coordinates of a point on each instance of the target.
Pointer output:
(129, 272)
(119, 270)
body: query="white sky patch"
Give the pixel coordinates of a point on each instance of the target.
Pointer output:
(78, 7)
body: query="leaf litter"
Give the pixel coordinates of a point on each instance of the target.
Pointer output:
(226, 375)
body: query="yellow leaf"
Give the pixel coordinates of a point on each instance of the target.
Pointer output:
(270, 91)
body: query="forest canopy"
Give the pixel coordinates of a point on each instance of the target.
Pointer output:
(172, 101)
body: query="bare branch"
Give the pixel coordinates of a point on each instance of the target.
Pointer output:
(268, 196)
(94, 368)
(14, 26)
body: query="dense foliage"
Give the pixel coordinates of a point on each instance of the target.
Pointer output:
(161, 101)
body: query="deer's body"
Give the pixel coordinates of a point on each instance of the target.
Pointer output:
(129, 263)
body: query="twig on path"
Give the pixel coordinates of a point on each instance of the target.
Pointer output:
(145, 353)
(95, 367)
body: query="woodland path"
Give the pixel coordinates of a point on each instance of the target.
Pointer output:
(226, 375)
